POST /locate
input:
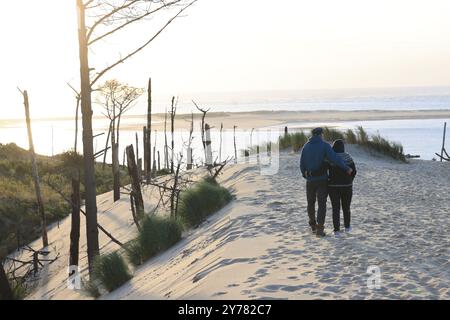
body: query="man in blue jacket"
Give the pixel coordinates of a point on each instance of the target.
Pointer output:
(314, 169)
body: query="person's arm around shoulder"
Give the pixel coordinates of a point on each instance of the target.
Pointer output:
(334, 158)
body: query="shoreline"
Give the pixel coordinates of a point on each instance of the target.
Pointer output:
(262, 119)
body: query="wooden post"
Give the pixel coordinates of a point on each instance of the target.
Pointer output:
(159, 161)
(137, 151)
(208, 159)
(154, 168)
(235, 149)
(166, 148)
(149, 131)
(135, 182)
(75, 226)
(286, 130)
(189, 148)
(37, 185)
(172, 129)
(220, 147)
(88, 147)
(144, 138)
(5, 288)
(443, 141)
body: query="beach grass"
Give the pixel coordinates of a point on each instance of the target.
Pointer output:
(111, 270)
(359, 136)
(201, 200)
(156, 235)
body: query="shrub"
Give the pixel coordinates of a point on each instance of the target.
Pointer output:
(156, 235)
(111, 270)
(201, 200)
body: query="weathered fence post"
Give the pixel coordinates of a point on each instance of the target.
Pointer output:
(443, 141)
(235, 149)
(37, 184)
(208, 159)
(135, 182)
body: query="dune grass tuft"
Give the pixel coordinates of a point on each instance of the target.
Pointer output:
(203, 199)
(156, 235)
(111, 271)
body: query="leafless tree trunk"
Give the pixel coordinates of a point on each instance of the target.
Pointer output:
(75, 227)
(220, 148)
(106, 145)
(5, 288)
(159, 162)
(235, 149)
(77, 112)
(189, 147)
(135, 183)
(173, 113)
(204, 112)
(88, 148)
(166, 147)
(208, 159)
(175, 192)
(149, 131)
(37, 185)
(145, 143)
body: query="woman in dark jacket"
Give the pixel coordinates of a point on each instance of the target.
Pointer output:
(340, 187)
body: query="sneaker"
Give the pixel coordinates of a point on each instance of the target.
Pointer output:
(314, 228)
(348, 229)
(337, 234)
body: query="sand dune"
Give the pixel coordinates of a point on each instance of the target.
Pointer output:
(260, 247)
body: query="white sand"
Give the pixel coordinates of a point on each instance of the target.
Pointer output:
(260, 245)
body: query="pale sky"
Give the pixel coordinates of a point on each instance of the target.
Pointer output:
(231, 45)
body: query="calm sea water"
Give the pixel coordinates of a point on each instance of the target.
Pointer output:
(422, 137)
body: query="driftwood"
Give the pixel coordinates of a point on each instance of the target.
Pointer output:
(37, 185)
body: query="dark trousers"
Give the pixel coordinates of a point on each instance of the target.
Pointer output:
(317, 190)
(341, 197)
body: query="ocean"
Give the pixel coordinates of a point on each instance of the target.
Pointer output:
(419, 137)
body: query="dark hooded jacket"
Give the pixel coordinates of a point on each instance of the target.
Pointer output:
(313, 158)
(336, 176)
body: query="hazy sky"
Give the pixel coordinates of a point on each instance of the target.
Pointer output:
(232, 45)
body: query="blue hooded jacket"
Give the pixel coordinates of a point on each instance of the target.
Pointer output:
(313, 155)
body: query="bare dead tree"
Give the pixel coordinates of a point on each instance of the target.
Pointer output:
(189, 146)
(173, 112)
(204, 112)
(148, 155)
(99, 20)
(136, 191)
(235, 149)
(77, 112)
(75, 222)
(166, 147)
(117, 98)
(37, 184)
